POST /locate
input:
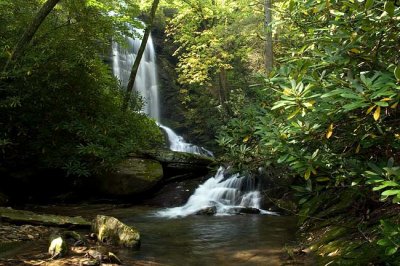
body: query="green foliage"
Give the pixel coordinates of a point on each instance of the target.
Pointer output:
(390, 240)
(386, 180)
(60, 104)
(329, 110)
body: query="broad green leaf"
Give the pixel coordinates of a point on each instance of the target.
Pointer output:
(383, 104)
(391, 250)
(368, 4)
(351, 96)
(383, 242)
(389, 8)
(331, 93)
(352, 106)
(391, 192)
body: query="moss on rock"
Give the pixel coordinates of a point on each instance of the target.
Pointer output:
(111, 230)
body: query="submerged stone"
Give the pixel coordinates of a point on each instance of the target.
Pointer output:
(207, 211)
(111, 230)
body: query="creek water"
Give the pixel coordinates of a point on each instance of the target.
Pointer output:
(211, 240)
(191, 239)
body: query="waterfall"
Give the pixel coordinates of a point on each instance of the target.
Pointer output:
(225, 195)
(146, 84)
(146, 77)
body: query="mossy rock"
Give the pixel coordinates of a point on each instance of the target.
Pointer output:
(178, 163)
(111, 230)
(58, 247)
(28, 217)
(133, 176)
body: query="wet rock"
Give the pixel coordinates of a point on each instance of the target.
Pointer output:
(28, 217)
(58, 247)
(94, 254)
(177, 163)
(245, 210)
(207, 211)
(74, 238)
(131, 177)
(112, 258)
(89, 262)
(111, 230)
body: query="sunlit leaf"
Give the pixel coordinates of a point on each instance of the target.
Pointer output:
(329, 132)
(377, 113)
(370, 109)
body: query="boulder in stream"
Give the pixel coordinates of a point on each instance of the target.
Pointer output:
(111, 230)
(207, 211)
(133, 176)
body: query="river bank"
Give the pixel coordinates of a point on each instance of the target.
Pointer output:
(193, 240)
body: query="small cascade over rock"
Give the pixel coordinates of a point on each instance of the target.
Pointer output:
(146, 84)
(177, 143)
(221, 195)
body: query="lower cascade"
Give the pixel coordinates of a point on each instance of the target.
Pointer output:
(220, 195)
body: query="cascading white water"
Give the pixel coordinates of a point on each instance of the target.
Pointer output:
(225, 195)
(177, 143)
(146, 84)
(146, 78)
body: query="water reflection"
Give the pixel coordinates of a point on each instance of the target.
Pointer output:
(204, 240)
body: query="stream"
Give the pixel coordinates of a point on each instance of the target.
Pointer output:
(211, 240)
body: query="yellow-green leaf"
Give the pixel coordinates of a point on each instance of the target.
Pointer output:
(397, 72)
(370, 109)
(394, 105)
(330, 131)
(377, 113)
(358, 148)
(307, 174)
(355, 50)
(246, 139)
(322, 179)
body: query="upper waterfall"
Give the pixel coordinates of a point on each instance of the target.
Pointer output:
(146, 84)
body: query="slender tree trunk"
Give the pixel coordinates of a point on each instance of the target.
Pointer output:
(223, 91)
(269, 55)
(139, 55)
(31, 30)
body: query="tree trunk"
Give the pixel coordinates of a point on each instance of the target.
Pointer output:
(223, 91)
(139, 55)
(269, 55)
(31, 30)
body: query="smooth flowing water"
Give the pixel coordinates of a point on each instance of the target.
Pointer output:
(212, 240)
